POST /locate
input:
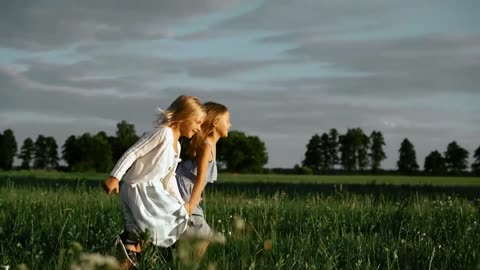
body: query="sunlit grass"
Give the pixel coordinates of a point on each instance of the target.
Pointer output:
(273, 178)
(278, 229)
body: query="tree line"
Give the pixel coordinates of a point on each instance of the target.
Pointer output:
(99, 152)
(352, 152)
(355, 151)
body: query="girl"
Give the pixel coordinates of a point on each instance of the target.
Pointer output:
(193, 173)
(150, 197)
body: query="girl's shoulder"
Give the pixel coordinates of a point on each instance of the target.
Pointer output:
(205, 146)
(162, 133)
(166, 130)
(207, 143)
(208, 148)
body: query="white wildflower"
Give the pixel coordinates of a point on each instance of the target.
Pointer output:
(94, 260)
(238, 223)
(22, 267)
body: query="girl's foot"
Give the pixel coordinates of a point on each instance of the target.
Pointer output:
(129, 256)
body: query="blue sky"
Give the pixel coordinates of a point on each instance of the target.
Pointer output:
(286, 69)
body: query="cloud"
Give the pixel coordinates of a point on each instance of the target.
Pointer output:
(427, 64)
(309, 14)
(48, 24)
(285, 69)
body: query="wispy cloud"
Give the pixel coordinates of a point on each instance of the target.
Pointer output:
(286, 69)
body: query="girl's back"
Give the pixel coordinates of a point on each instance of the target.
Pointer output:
(187, 172)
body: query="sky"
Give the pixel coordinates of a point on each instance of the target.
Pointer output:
(285, 69)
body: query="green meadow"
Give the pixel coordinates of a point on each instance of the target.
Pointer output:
(63, 221)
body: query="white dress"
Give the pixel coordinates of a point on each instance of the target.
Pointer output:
(153, 204)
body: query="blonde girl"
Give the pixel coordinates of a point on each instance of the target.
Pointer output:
(201, 168)
(150, 197)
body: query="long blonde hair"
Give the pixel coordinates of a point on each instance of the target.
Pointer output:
(214, 112)
(182, 108)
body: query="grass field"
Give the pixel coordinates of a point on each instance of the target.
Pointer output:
(48, 220)
(276, 178)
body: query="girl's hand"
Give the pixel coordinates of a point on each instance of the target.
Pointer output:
(189, 207)
(111, 185)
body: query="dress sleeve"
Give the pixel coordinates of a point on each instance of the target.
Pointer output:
(144, 145)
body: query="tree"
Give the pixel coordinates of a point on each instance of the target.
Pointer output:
(435, 163)
(317, 156)
(102, 153)
(41, 153)
(354, 149)
(333, 148)
(407, 162)
(302, 170)
(347, 151)
(377, 155)
(88, 153)
(52, 153)
(362, 143)
(241, 153)
(8, 149)
(312, 155)
(476, 162)
(125, 138)
(85, 148)
(325, 159)
(456, 158)
(70, 151)
(26, 153)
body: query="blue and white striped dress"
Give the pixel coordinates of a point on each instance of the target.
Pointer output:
(186, 175)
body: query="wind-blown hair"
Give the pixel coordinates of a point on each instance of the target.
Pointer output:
(182, 108)
(214, 111)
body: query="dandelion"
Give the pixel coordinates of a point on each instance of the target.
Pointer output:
(22, 267)
(88, 261)
(214, 237)
(76, 246)
(238, 223)
(217, 238)
(267, 245)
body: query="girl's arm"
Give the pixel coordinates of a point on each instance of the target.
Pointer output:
(204, 155)
(144, 145)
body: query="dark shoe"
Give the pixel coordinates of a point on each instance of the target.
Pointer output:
(128, 258)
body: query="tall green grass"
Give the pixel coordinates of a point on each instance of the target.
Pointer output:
(44, 227)
(271, 178)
